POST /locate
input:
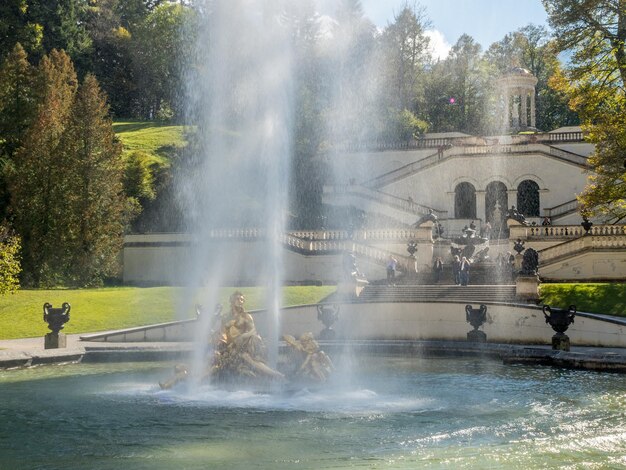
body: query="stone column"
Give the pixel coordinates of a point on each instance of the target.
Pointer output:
(516, 86)
(524, 103)
(481, 209)
(507, 110)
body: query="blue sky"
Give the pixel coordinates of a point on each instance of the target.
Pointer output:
(487, 21)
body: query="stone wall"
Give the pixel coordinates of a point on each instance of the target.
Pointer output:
(506, 323)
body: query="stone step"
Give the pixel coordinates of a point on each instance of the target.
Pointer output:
(412, 293)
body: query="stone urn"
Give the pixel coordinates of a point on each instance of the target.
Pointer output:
(560, 319)
(476, 317)
(328, 315)
(56, 319)
(586, 224)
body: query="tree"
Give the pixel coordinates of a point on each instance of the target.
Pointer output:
(467, 80)
(9, 261)
(605, 193)
(111, 58)
(38, 182)
(17, 108)
(348, 56)
(17, 99)
(594, 32)
(16, 27)
(94, 207)
(406, 53)
(64, 24)
(161, 51)
(531, 48)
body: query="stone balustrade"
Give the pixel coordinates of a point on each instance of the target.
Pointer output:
(377, 255)
(564, 232)
(471, 148)
(553, 137)
(602, 242)
(312, 241)
(384, 198)
(564, 208)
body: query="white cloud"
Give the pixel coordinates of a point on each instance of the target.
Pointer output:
(439, 47)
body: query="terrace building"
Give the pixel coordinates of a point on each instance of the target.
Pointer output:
(457, 177)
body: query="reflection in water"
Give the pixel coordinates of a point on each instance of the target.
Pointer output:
(395, 413)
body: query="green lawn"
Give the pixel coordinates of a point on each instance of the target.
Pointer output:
(595, 298)
(155, 138)
(21, 314)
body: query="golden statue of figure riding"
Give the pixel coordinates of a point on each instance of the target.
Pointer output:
(239, 354)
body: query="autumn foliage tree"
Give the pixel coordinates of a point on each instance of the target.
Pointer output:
(594, 32)
(17, 108)
(66, 184)
(38, 182)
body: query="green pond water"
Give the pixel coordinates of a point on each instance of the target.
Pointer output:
(379, 413)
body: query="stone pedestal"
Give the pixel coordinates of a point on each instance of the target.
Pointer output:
(518, 261)
(477, 336)
(527, 287)
(560, 342)
(55, 341)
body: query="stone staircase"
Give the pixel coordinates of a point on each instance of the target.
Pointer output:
(430, 293)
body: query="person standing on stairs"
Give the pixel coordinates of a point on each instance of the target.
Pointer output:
(456, 270)
(465, 269)
(392, 263)
(438, 269)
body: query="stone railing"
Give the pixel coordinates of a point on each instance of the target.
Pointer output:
(561, 137)
(548, 255)
(314, 246)
(383, 198)
(563, 231)
(473, 150)
(390, 235)
(405, 170)
(321, 234)
(517, 149)
(566, 207)
(557, 137)
(377, 255)
(305, 239)
(568, 156)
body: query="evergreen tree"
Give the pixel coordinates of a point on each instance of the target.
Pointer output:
(16, 26)
(94, 206)
(405, 49)
(38, 182)
(468, 99)
(17, 109)
(64, 24)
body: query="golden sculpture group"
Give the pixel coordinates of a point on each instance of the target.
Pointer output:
(239, 353)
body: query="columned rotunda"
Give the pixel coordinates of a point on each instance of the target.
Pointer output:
(517, 92)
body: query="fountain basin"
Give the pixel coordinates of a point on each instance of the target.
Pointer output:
(395, 411)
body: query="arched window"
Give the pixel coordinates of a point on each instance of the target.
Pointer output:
(465, 201)
(496, 202)
(528, 198)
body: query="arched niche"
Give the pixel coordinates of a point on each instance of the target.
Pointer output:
(465, 201)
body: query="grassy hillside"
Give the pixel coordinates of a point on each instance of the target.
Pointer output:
(21, 314)
(152, 137)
